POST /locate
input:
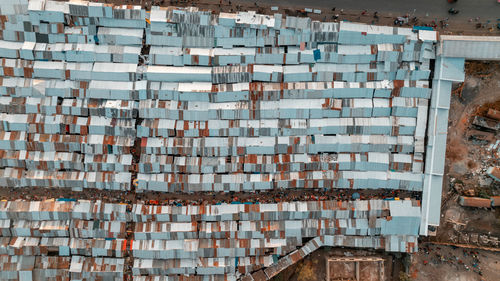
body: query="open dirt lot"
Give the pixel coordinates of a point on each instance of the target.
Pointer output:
(437, 262)
(345, 269)
(468, 156)
(199, 198)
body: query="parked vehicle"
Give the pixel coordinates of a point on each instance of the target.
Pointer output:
(401, 20)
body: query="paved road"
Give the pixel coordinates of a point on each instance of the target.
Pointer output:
(485, 9)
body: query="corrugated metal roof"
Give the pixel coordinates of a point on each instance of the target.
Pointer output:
(228, 102)
(436, 147)
(470, 47)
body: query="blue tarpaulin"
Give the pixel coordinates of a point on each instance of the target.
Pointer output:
(66, 199)
(317, 54)
(417, 27)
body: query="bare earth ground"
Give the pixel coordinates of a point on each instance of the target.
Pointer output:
(467, 160)
(162, 198)
(448, 263)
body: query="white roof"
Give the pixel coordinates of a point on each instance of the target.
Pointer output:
(74, 30)
(406, 121)
(28, 45)
(228, 15)
(407, 32)
(195, 87)
(234, 52)
(403, 158)
(135, 32)
(111, 85)
(57, 6)
(252, 18)
(114, 67)
(158, 15)
(49, 64)
(301, 68)
(158, 50)
(361, 103)
(11, 45)
(117, 49)
(369, 29)
(380, 102)
(267, 68)
(179, 70)
(354, 49)
(36, 5)
(201, 52)
(79, 66)
(333, 67)
(378, 157)
(427, 35)
(469, 38)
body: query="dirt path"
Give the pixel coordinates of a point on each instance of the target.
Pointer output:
(477, 91)
(271, 196)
